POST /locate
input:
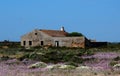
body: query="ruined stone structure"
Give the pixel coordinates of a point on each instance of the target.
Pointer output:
(55, 38)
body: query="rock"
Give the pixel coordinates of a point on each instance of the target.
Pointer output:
(38, 65)
(60, 66)
(25, 61)
(83, 67)
(116, 66)
(50, 67)
(67, 67)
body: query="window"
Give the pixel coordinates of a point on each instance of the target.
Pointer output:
(24, 43)
(35, 33)
(42, 43)
(30, 42)
(57, 43)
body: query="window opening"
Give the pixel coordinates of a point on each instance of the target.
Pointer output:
(24, 43)
(42, 43)
(30, 42)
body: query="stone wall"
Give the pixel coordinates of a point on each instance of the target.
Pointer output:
(70, 41)
(35, 37)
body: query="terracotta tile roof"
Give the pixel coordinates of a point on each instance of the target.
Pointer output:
(55, 33)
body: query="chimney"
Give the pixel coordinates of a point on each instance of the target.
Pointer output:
(62, 29)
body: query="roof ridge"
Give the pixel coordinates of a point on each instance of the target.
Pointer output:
(48, 30)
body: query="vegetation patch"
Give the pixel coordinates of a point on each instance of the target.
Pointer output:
(74, 34)
(38, 65)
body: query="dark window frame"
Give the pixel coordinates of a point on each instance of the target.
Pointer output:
(30, 43)
(24, 43)
(36, 33)
(42, 43)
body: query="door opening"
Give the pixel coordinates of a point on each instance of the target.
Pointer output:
(57, 43)
(42, 43)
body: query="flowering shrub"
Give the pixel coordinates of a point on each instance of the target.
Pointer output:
(89, 65)
(12, 61)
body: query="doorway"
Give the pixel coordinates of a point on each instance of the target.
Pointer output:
(42, 43)
(57, 43)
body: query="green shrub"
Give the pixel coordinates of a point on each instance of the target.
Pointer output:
(54, 56)
(4, 58)
(75, 34)
(51, 55)
(117, 58)
(112, 63)
(23, 57)
(33, 56)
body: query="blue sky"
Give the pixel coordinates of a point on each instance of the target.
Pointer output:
(96, 19)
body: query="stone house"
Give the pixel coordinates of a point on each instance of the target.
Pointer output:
(55, 38)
